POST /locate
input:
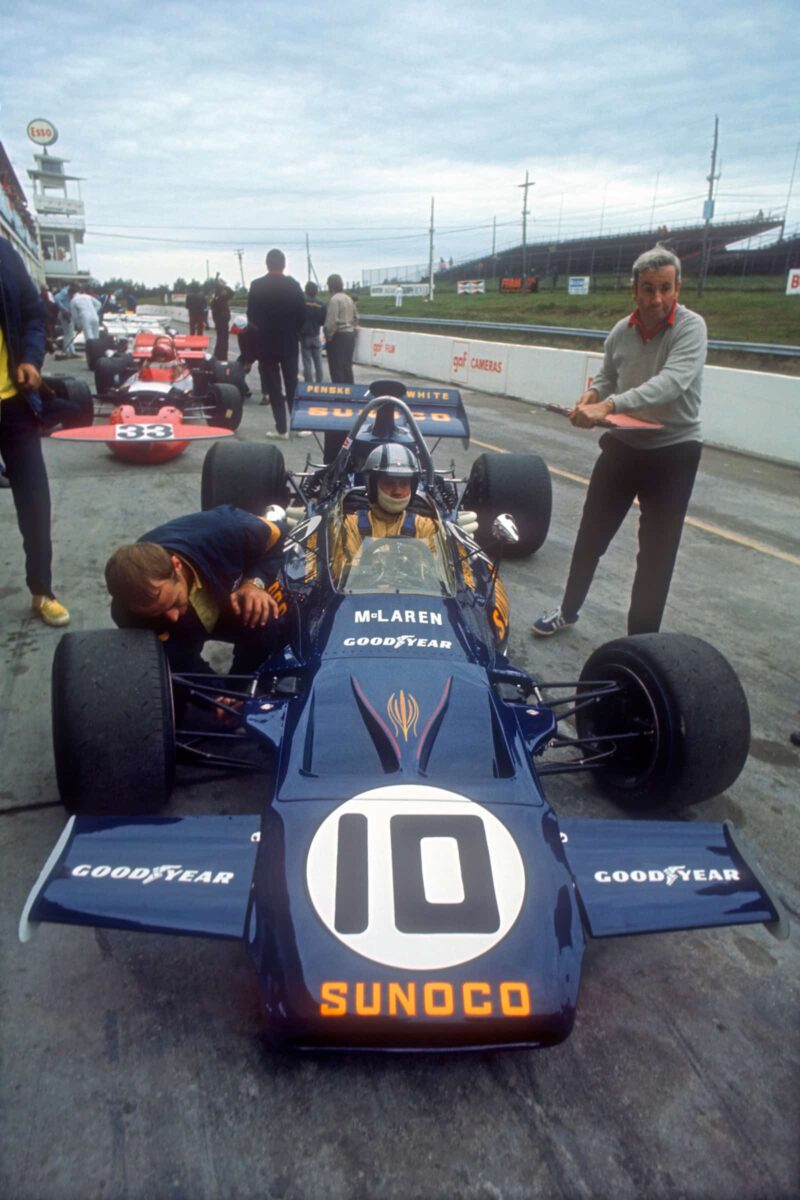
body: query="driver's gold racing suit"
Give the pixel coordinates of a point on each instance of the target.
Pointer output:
(377, 524)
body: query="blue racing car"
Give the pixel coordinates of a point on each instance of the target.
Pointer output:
(405, 883)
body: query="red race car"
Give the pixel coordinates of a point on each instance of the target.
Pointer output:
(167, 381)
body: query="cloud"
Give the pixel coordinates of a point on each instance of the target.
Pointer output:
(253, 126)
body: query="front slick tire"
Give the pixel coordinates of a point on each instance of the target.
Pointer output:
(113, 722)
(687, 702)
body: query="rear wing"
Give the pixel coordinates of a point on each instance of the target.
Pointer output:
(187, 346)
(333, 407)
(659, 876)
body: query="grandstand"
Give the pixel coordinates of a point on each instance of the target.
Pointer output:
(614, 253)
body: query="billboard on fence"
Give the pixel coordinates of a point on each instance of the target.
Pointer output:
(514, 283)
(578, 285)
(793, 282)
(469, 287)
(390, 289)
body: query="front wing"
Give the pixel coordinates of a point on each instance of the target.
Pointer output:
(192, 875)
(659, 876)
(184, 875)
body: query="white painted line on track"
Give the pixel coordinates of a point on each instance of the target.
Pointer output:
(714, 530)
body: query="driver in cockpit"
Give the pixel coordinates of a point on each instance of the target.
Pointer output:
(391, 473)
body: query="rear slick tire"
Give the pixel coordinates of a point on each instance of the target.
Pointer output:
(518, 484)
(244, 474)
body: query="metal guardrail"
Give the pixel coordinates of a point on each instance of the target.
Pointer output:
(599, 335)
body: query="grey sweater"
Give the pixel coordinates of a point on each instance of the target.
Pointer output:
(659, 380)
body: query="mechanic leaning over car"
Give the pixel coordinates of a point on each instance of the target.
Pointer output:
(208, 576)
(22, 346)
(653, 369)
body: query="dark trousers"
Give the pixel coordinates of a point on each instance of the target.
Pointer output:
(221, 348)
(21, 450)
(340, 357)
(271, 369)
(196, 324)
(662, 480)
(186, 638)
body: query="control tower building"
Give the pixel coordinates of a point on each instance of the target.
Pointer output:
(59, 208)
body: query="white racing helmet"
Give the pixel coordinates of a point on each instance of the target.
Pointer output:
(390, 461)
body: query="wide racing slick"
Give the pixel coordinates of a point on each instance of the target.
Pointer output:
(405, 883)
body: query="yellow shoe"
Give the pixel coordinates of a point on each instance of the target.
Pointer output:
(50, 610)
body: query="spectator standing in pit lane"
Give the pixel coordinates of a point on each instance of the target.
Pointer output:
(341, 321)
(221, 316)
(310, 346)
(276, 309)
(62, 299)
(652, 368)
(196, 305)
(22, 343)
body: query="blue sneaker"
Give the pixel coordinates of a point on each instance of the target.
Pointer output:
(552, 623)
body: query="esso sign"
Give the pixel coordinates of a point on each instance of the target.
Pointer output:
(42, 132)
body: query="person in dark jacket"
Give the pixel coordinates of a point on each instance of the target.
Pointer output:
(221, 316)
(276, 308)
(310, 346)
(22, 349)
(196, 304)
(206, 576)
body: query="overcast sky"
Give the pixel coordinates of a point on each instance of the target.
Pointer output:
(201, 128)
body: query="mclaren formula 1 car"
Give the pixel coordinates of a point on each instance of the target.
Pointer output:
(155, 393)
(405, 883)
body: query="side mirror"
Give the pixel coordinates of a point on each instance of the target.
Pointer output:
(504, 530)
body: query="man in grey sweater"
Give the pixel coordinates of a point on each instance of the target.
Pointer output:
(653, 369)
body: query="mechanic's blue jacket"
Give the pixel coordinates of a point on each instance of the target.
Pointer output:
(22, 317)
(225, 545)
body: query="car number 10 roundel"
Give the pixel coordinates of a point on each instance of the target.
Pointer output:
(415, 877)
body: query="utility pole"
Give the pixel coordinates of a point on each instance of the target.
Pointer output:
(525, 187)
(789, 196)
(239, 254)
(655, 193)
(430, 258)
(708, 210)
(308, 259)
(494, 243)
